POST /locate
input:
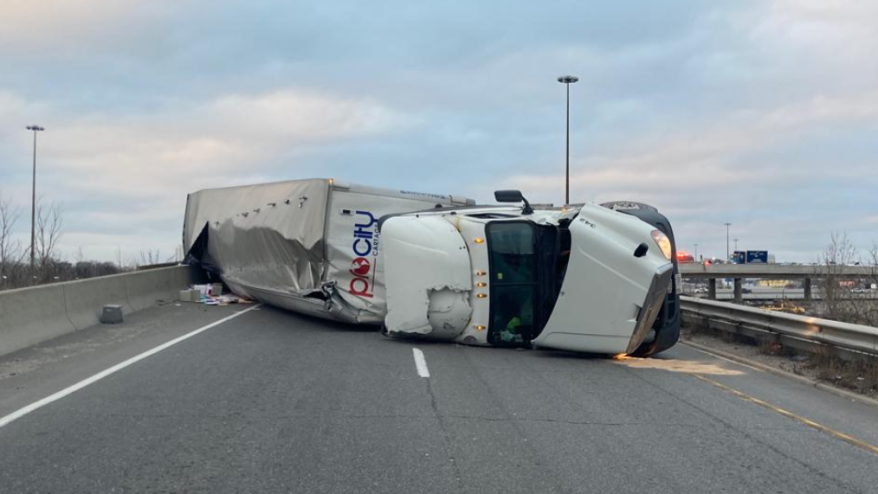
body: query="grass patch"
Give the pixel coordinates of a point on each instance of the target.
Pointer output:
(858, 374)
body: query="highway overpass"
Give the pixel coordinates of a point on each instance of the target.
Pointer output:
(739, 272)
(774, 271)
(187, 398)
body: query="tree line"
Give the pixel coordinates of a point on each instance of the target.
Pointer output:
(839, 299)
(49, 265)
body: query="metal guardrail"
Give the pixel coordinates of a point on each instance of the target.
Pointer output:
(739, 272)
(778, 271)
(798, 331)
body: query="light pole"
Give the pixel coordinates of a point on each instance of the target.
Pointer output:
(567, 80)
(33, 204)
(696, 252)
(736, 244)
(727, 240)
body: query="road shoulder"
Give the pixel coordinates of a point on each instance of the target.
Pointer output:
(33, 373)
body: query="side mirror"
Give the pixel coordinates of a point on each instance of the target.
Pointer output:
(513, 196)
(508, 196)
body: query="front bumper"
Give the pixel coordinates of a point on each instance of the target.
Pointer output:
(652, 305)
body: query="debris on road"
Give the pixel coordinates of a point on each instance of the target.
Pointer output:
(211, 294)
(111, 314)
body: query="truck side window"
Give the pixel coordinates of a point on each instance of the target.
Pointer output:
(512, 252)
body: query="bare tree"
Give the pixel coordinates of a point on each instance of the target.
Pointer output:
(50, 221)
(149, 257)
(872, 283)
(178, 254)
(10, 251)
(838, 291)
(51, 267)
(119, 258)
(837, 254)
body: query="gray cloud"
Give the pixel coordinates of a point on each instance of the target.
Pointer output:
(759, 113)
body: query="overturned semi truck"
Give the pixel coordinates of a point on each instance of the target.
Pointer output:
(590, 278)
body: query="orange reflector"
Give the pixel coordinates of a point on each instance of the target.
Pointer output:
(478, 240)
(481, 273)
(481, 284)
(481, 328)
(482, 295)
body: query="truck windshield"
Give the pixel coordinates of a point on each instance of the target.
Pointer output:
(523, 258)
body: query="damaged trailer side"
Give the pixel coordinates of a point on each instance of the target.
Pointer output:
(310, 246)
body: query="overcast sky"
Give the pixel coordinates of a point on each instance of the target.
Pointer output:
(760, 113)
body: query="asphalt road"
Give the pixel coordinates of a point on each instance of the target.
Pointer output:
(274, 402)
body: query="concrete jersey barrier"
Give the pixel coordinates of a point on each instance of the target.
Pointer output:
(32, 315)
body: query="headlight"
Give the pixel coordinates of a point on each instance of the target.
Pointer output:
(663, 242)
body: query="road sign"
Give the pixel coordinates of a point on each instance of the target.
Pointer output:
(757, 256)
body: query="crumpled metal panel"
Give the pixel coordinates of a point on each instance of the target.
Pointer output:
(266, 237)
(310, 246)
(432, 247)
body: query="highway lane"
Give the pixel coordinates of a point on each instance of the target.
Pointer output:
(41, 370)
(275, 402)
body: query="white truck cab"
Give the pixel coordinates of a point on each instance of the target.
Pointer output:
(583, 278)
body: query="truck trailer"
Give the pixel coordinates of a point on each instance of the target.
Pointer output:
(589, 278)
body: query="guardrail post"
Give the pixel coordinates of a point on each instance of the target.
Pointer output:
(739, 291)
(807, 289)
(711, 288)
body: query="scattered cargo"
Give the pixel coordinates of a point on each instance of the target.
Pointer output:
(211, 294)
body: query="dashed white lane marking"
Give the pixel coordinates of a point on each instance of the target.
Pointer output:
(421, 363)
(112, 370)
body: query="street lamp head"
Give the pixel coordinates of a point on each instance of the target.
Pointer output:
(35, 128)
(568, 79)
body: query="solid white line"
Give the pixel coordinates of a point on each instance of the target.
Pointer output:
(116, 368)
(421, 363)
